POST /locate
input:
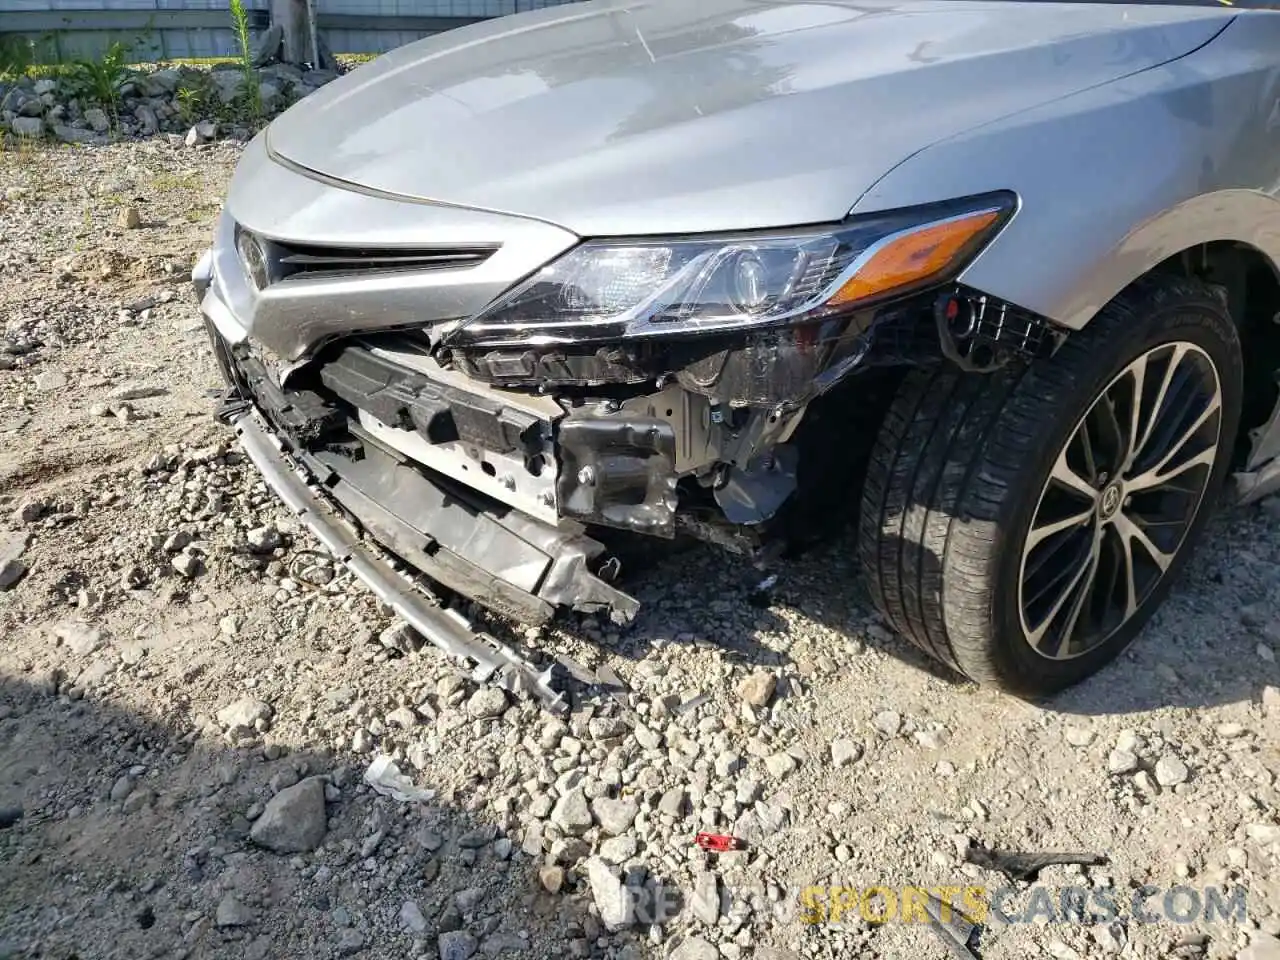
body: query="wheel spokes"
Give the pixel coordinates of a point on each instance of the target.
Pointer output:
(1090, 458)
(1111, 441)
(1119, 500)
(1154, 478)
(1041, 533)
(1157, 475)
(1131, 533)
(1157, 404)
(1077, 584)
(1127, 577)
(1138, 379)
(1083, 596)
(1066, 475)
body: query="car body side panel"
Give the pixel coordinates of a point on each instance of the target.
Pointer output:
(1114, 180)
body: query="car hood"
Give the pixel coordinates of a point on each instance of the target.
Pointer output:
(613, 118)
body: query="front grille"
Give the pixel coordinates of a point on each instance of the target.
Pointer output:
(315, 262)
(271, 261)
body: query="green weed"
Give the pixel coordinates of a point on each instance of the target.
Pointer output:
(189, 100)
(251, 94)
(101, 81)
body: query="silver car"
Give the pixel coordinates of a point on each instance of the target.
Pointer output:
(998, 279)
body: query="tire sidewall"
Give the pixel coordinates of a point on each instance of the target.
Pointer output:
(1203, 323)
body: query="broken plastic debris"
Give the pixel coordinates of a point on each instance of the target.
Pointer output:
(1027, 866)
(691, 705)
(718, 842)
(953, 928)
(385, 778)
(761, 595)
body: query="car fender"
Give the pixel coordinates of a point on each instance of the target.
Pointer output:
(1113, 180)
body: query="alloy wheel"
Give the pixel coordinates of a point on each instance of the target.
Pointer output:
(1119, 500)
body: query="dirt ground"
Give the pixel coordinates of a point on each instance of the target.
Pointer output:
(190, 696)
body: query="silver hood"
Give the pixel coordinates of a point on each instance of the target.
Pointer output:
(611, 118)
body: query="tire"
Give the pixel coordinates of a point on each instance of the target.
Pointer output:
(961, 471)
(821, 510)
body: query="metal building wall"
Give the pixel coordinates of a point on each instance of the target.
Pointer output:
(374, 39)
(168, 29)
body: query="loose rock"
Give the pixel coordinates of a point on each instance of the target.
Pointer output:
(293, 821)
(780, 764)
(1271, 702)
(1120, 762)
(695, 948)
(122, 788)
(263, 539)
(615, 816)
(403, 717)
(705, 901)
(672, 802)
(245, 712)
(1263, 833)
(618, 850)
(487, 702)
(50, 380)
(11, 571)
(757, 690)
(845, 752)
(1079, 736)
(1171, 771)
(613, 900)
(457, 945)
(931, 739)
(233, 913)
(551, 877)
(350, 942)
(607, 728)
(888, 723)
(188, 565)
(572, 814)
(411, 917)
(79, 637)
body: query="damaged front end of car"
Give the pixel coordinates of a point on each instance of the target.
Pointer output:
(652, 386)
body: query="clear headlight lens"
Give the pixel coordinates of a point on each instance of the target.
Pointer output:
(634, 288)
(253, 255)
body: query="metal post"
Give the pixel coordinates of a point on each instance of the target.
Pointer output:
(313, 37)
(291, 16)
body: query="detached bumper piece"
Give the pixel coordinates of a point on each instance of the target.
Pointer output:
(419, 539)
(489, 659)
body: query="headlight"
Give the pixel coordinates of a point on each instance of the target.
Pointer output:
(253, 254)
(607, 289)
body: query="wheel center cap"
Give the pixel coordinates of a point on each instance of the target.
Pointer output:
(1110, 501)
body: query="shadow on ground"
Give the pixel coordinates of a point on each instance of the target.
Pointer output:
(133, 841)
(1196, 652)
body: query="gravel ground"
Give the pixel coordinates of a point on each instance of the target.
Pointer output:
(190, 697)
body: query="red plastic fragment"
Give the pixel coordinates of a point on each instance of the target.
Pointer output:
(718, 842)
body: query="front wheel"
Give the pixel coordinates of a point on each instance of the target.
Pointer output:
(1023, 526)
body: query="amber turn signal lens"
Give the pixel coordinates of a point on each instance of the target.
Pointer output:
(914, 258)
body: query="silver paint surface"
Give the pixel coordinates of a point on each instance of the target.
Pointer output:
(1129, 132)
(671, 116)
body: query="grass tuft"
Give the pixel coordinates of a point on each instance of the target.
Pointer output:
(252, 94)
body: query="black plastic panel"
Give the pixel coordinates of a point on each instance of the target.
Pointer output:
(619, 471)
